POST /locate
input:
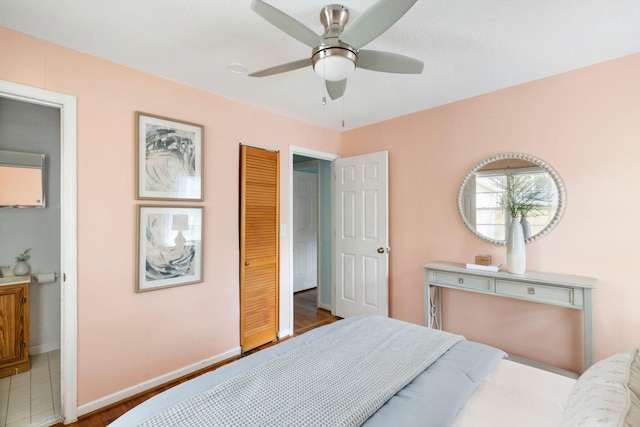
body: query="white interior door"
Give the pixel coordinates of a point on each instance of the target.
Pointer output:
(362, 235)
(305, 230)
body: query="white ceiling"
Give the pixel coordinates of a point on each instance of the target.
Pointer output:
(468, 47)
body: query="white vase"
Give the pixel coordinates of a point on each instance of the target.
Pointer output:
(21, 268)
(526, 227)
(516, 258)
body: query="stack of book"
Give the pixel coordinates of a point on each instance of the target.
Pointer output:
(494, 268)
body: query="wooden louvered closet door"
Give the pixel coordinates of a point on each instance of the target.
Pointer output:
(259, 246)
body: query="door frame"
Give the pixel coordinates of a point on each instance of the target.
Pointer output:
(320, 155)
(67, 105)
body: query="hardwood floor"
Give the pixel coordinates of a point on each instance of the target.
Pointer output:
(306, 317)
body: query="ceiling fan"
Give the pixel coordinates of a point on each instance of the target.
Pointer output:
(336, 53)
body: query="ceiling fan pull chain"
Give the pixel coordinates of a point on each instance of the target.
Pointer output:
(324, 91)
(343, 96)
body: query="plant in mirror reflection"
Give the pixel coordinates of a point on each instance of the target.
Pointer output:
(524, 196)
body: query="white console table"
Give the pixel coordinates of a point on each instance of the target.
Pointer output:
(556, 289)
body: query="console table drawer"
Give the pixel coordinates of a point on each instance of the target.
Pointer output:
(464, 281)
(536, 292)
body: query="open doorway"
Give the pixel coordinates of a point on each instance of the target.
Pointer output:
(33, 393)
(64, 262)
(311, 250)
(357, 227)
(304, 224)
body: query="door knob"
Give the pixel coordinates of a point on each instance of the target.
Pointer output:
(383, 250)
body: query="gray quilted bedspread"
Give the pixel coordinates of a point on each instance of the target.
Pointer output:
(338, 380)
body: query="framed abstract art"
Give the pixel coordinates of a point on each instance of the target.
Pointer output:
(169, 157)
(169, 246)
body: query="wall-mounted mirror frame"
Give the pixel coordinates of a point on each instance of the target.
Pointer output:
(23, 180)
(559, 204)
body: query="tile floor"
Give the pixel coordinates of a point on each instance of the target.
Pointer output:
(32, 398)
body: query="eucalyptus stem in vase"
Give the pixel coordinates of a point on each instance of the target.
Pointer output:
(22, 267)
(520, 198)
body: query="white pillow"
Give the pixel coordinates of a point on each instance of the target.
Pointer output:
(607, 394)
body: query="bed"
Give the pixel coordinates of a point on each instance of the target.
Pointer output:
(376, 371)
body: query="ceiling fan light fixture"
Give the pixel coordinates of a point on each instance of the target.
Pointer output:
(335, 63)
(336, 53)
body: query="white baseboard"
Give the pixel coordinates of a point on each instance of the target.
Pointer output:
(304, 288)
(46, 422)
(44, 348)
(284, 333)
(149, 384)
(325, 306)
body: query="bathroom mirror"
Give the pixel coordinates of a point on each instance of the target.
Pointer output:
(22, 180)
(481, 193)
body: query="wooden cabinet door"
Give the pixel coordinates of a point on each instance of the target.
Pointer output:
(259, 246)
(13, 315)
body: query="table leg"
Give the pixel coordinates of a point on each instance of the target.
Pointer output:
(588, 330)
(437, 307)
(432, 307)
(428, 319)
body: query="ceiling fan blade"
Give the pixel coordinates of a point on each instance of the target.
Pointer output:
(282, 68)
(336, 89)
(375, 21)
(287, 24)
(389, 62)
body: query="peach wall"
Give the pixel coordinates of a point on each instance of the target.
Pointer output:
(120, 331)
(586, 124)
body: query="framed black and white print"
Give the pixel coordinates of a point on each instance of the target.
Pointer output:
(169, 246)
(169, 157)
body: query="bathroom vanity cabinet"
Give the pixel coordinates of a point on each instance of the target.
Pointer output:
(14, 325)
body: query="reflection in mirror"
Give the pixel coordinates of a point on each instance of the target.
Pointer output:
(480, 198)
(22, 180)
